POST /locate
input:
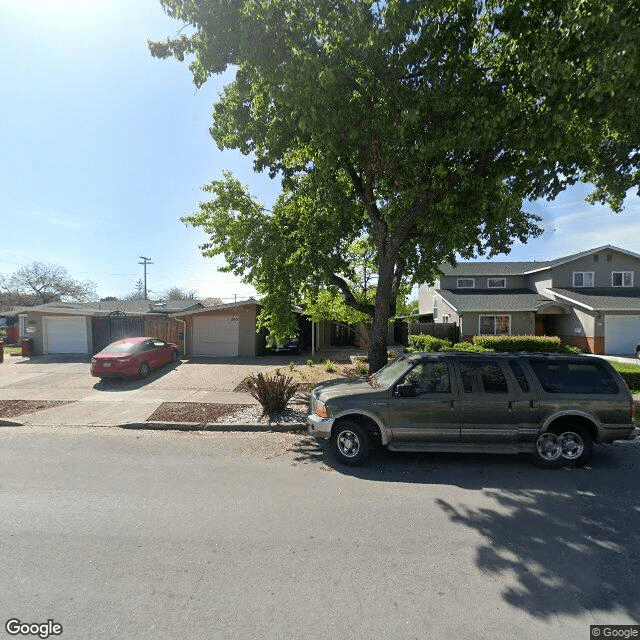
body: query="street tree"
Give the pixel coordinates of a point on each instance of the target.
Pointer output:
(421, 127)
(177, 293)
(137, 293)
(39, 283)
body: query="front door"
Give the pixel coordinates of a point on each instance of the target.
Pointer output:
(433, 414)
(487, 401)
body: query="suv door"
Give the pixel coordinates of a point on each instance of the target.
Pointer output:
(433, 414)
(487, 401)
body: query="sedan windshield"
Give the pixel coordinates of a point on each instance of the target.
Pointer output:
(120, 347)
(389, 373)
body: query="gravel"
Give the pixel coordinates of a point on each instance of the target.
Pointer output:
(12, 408)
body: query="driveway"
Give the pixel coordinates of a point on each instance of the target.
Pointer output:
(114, 401)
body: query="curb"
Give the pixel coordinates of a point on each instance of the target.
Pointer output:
(10, 423)
(292, 427)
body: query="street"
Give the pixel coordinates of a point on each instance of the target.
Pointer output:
(135, 534)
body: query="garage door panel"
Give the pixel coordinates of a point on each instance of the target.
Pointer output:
(65, 335)
(215, 336)
(621, 334)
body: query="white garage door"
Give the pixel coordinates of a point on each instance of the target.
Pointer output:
(215, 336)
(621, 334)
(65, 335)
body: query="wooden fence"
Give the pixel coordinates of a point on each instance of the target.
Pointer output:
(444, 330)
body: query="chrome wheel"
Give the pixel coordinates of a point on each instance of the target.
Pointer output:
(348, 444)
(549, 447)
(571, 444)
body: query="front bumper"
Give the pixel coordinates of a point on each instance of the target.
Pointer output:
(319, 427)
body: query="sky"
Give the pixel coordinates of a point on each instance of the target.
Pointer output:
(105, 148)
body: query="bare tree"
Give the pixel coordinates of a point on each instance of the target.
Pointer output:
(176, 293)
(39, 283)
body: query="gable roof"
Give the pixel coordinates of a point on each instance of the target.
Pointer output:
(504, 268)
(622, 299)
(217, 307)
(488, 300)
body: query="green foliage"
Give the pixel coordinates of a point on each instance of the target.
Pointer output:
(423, 342)
(361, 368)
(468, 347)
(329, 366)
(310, 362)
(278, 372)
(292, 366)
(567, 348)
(514, 344)
(417, 128)
(630, 374)
(272, 392)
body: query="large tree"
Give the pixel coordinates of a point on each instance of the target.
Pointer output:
(39, 283)
(417, 126)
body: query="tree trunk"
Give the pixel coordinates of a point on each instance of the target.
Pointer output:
(377, 352)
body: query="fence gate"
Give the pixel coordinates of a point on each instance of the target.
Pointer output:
(115, 326)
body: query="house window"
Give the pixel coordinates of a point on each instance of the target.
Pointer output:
(435, 307)
(496, 283)
(609, 257)
(596, 258)
(445, 318)
(466, 283)
(495, 326)
(622, 278)
(583, 279)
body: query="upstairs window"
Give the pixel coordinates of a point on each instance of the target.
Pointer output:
(622, 278)
(583, 279)
(466, 283)
(496, 283)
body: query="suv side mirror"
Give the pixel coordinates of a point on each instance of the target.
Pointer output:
(406, 390)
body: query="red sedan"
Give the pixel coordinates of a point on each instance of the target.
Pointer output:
(132, 357)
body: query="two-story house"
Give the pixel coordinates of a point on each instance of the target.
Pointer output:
(590, 299)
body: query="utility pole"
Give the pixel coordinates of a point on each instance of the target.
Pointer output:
(145, 263)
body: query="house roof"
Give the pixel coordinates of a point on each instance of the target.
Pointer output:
(476, 268)
(486, 300)
(622, 299)
(216, 307)
(135, 307)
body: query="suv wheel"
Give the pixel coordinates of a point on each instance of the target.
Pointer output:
(351, 443)
(568, 445)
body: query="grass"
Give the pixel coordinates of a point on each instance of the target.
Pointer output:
(630, 373)
(9, 350)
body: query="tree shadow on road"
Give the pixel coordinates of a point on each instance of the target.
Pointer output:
(559, 542)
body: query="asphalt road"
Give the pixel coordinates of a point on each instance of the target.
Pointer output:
(120, 534)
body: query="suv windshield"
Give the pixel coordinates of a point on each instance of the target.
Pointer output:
(120, 347)
(389, 373)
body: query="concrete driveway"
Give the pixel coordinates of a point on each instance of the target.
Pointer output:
(117, 401)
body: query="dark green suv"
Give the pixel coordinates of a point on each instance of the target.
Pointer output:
(553, 406)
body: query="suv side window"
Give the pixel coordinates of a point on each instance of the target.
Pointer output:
(430, 377)
(573, 377)
(519, 375)
(491, 378)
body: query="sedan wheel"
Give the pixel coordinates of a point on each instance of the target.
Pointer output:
(174, 355)
(144, 370)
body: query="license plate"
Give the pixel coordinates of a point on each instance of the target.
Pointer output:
(106, 365)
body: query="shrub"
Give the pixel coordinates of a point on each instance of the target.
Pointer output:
(292, 366)
(629, 372)
(310, 362)
(272, 392)
(423, 342)
(467, 346)
(278, 371)
(567, 348)
(362, 369)
(329, 366)
(513, 344)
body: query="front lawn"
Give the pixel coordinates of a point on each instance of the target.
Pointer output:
(630, 373)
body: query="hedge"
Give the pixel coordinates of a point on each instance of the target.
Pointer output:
(514, 344)
(629, 372)
(424, 342)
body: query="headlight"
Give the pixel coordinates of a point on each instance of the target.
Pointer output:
(321, 409)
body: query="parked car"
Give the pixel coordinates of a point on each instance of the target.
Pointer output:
(550, 405)
(292, 345)
(132, 357)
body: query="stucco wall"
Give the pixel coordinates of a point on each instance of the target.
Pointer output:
(522, 322)
(480, 282)
(34, 320)
(563, 275)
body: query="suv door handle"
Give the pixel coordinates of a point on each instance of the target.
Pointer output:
(534, 404)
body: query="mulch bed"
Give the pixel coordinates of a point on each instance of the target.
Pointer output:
(193, 411)
(12, 408)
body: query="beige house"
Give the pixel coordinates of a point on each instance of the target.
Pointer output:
(590, 299)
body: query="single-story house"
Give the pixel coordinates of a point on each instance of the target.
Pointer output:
(589, 299)
(86, 328)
